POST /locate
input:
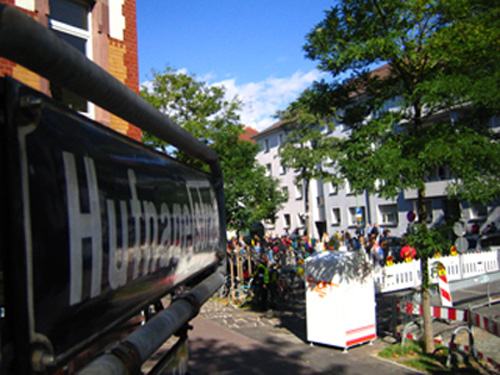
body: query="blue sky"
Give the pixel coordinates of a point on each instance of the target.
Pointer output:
(253, 48)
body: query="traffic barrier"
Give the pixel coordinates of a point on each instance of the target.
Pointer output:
(397, 277)
(436, 311)
(402, 276)
(487, 324)
(444, 287)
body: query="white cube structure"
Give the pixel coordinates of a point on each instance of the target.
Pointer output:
(340, 299)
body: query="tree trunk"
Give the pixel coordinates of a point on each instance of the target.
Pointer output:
(426, 307)
(424, 271)
(306, 207)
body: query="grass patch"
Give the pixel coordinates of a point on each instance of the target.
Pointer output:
(412, 355)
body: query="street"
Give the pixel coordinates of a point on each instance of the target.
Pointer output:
(225, 340)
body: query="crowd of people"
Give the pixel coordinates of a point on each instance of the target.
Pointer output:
(375, 241)
(489, 229)
(263, 258)
(264, 255)
(282, 250)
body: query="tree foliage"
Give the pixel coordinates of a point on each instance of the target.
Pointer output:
(306, 149)
(251, 195)
(416, 84)
(425, 80)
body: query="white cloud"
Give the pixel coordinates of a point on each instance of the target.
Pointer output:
(261, 100)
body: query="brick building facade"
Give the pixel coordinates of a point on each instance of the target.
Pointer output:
(104, 30)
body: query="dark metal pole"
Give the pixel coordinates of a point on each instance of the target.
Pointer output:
(30, 44)
(129, 355)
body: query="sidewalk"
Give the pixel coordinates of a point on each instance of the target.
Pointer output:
(217, 350)
(227, 341)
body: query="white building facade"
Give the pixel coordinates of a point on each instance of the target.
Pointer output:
(333, 210)
(291, 219)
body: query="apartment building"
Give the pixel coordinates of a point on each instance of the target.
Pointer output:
(105, 31)
(291, 219)
(336, 209)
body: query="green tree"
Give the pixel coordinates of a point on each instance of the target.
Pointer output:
(250, 194)
(429, 107)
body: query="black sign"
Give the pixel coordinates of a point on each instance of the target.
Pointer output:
(107, 225)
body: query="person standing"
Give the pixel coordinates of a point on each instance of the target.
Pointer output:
(348, 243)
(262, 283)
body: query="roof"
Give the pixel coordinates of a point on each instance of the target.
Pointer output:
(357, 85)
(382, 72)
(275, 126)
(248, 134)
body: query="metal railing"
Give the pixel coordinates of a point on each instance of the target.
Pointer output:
(142, 343)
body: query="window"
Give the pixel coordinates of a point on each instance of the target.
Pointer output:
(388, 214)
(281, 138)
(332, 188)
(336, 220)
(269, 169)
(287, 221)
(453, 117)
(428, 208)
(69, 19)
(451, 208)
(298, 191)
(301, 219)
(284, 190)
(320, 201)
(439, 173)
(266, 145)
(348, 189)
(494, 122)
(269, 224)
(479, 211)
(430, 212)
(283, 169)
(356, 216)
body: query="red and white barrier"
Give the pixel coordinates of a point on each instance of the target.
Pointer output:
(444, 287)
(436, 311)
(488, 324)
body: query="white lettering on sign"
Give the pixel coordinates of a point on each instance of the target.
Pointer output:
(83, 226)
(160, 233)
